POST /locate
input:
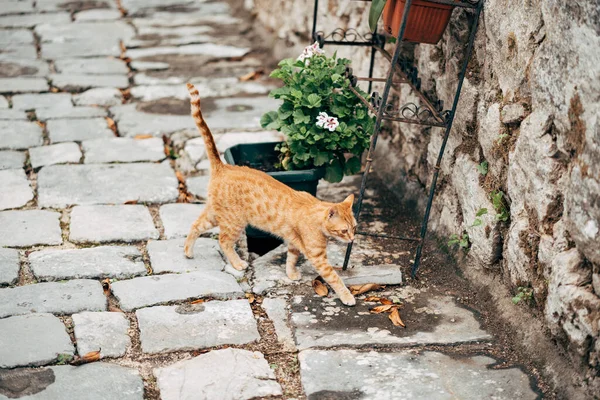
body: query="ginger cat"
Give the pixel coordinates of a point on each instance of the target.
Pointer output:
(240, 196)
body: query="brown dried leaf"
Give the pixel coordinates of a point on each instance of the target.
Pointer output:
(386, 301)
(373, 299)
(381, 309)
(106, 286)
(87, 358)
(111, 125)
(40, 124)
(199, 301)
(252, 76)
(395, 318)
(131, 202)
(360, 289)
(142, 136)
(320, 288)
(250, 298)
(180, 177)
(54, 90)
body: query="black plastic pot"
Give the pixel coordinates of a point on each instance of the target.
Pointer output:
(254, 154)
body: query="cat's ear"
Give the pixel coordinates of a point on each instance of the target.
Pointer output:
(349, 200)
(332, 212)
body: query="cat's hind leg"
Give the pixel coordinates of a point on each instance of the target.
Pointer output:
(202, 224)
(290, 265)
(242, 246)
(228, 236)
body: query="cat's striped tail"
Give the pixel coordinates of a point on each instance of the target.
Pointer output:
(209, 141)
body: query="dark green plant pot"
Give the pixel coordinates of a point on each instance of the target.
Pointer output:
(254, 154)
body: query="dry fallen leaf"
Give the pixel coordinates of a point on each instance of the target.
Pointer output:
(373, 299)
(40, 124)
(199, 301)
(320, 288)
(381, 309)
(54, 90)
(360, 289)
(385, 301)
(251, 76)
(111, 125)
(142, 136)
(395, 318)
(106, 286)
(87, 358)
(250, 298)
(180, 177)
(131, 202)
(114, 309)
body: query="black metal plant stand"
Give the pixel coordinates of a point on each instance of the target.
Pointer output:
(428, 112)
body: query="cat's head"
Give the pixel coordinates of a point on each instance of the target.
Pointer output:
(339, 221)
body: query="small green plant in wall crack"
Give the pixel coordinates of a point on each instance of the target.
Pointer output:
(483, 168)
(461, 241)
(478, 221)
(523, 293)
(499, 203)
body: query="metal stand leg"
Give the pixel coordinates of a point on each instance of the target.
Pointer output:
(386, 92)
(443, 147)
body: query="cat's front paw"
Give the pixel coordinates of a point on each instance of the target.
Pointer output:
(189, 251)
(240, 266)
(347, 299)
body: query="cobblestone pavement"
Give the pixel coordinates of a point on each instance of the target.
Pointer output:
(94, 215)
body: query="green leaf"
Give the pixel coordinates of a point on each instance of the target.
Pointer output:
(477, 222)
(483, 168)
(482, 211)
(334, 172)
(335, 77)
(352, 166)
(270, 120)
(313, 100)
(321, 159)
(375, 13)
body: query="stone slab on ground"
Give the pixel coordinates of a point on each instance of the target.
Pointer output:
(16, 36)
(31, 20)
(60, 153)
(382, 274)
(29, 228)
(53, 297)
(104, 331)
(41, 100)
(92, 66)
(62, 185)
(72, 113)
(81, 82)
(15, 135)
(3, 101)
(107, 223)
(9, 266)
(198, 185)
(78, 129)
(95, 381)
(23, 67)
(118, 262)
(209, 49)
(196, 326)
(178, 218)
(231, 139)
(132, 121)
(228, 374)
(326, 323)
(123, 150)
(239, 112)
(277, 311)
(104, 97)
(23, 85)
(97, 15)
(350, 374)
(168, 256)
(35, 339)
(15, 190)
(10, 159)
(12, 115)
(157, 289)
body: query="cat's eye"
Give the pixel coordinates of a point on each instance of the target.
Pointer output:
(344, 231)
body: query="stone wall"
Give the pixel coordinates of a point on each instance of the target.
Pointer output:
(530, 108)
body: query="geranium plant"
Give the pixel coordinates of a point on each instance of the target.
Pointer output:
(322, 119)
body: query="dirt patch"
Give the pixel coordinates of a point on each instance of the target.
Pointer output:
(575, 138)
(74, 6)
(169, 106)
(11, 70)
(19, 383)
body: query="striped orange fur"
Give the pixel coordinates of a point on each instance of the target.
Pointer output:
(241, 196)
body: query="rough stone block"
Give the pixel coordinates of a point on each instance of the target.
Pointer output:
(104, 331)
(3, 102)
(53, 297)
(384, 274)
(131, 121)
(168, 256)
(198, 186)
(22, 85)
(9, 266)
(119, 262)
(16, 36)
(123, 150)
(91, 66)
(196, 326)
(96, 224)
(209, 49)
(62, 185)
(10, 159)
(68, 130)
(13, 115)
(80, 81)
(16, 135)
(29, 228)
(227, 374)
(31, 20)
(54, 154)
(177, 218)
(41, 100)
(157, 289)
(35, 339)
(70, 113)
(97, 15)
(104, 97)
(15, 190)
(512, 113)
(277, 311)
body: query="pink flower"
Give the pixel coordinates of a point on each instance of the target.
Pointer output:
(326, 122)
(322, 119)
(310, 51)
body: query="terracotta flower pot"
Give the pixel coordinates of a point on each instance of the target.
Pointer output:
(426, 22)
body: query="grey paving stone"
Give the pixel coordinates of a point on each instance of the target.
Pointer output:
(104, 97)
(409, 375)
(54, 154)
(18, 52)
(135, 6)
(80, 81)
(97, 15)
(198, 185)
(9, 266)
(383, 274)
(228, 374)
(196, 326)
(92, 66)
(3, 102)
(22, 67)
(53, 297)
(178, 218)
(194, 18)
(151, 290)
(13, 115)
(132, 122)
(16, 7)
(195, 149)
(123, 150)
(67, 130)
(239, 112)
(70, 113)
(41, 100)
(90, 47)
(104, 331)
(31, 20)
(210, 49)
(35, 339)
(23, 85)
(15, 190)
(277, 311)
(150, 88)
(29, 228)
(168, 256)
(119, 262)
(230, 139)
(61, 185)
(327, 324)
(59, 5)
(16, 36)
(96, 381)
(16, 135)
(148, 65)
(107, 223)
